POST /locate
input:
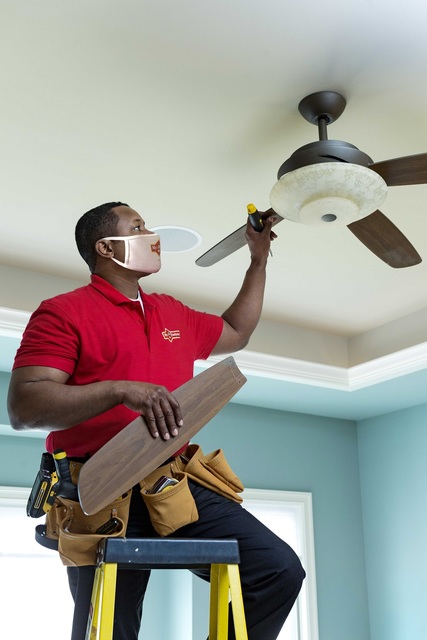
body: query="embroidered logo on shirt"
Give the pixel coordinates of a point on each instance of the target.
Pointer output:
(171, 335)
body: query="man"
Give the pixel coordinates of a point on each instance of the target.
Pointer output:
(92, 359)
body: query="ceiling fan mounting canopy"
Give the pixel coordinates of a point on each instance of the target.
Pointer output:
(325, 105)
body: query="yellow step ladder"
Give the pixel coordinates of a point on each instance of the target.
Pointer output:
(169, 553)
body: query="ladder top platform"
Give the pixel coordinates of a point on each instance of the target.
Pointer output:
(167, 553)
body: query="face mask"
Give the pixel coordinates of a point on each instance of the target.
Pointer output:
(142, 252)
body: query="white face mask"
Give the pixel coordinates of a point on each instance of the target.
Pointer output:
(142, 252)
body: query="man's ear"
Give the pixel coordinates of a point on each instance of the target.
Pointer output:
(104, 248)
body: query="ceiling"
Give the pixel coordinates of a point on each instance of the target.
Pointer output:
(185, 110)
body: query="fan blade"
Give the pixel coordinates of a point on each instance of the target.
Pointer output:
(231, 243)
(403, 171)
(383, 238)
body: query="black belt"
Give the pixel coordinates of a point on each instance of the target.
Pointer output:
(82, 460)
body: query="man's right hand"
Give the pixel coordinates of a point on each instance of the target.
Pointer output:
(157, 405)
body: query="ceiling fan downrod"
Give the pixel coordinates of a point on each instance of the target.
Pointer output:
(322, 124)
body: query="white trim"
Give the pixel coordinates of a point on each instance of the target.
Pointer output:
(26, 568)
(303, 504)
(14, 495)
(263, 365)
(388, 367)
(13, 322)
(6, 430)
(360, 376)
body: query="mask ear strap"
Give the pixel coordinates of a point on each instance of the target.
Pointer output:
(127, 250)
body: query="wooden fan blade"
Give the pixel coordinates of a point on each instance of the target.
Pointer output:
(383, 238)
(403, 171)
(133, 453)
(230, 244)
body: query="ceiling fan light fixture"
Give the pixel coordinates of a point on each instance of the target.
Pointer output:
(328, 192)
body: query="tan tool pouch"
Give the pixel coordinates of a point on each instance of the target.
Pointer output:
(211, 471)
(175, 507)
(172, 508)
(76, 532)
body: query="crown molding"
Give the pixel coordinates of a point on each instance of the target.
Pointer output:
(13, 322)
(253, 363)
(393, 365)
(360, 376)
(6, 430)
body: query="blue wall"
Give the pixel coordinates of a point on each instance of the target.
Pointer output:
(393, 472)
(4, 383)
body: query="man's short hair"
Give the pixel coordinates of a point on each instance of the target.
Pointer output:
(95, 224)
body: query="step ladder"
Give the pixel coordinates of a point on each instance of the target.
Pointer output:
(169, 553)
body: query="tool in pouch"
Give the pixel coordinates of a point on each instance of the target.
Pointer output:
(163, 484)
(53, 479)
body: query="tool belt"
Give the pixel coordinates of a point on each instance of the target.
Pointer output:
(78, 534)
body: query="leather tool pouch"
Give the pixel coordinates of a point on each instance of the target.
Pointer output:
(77, 533)
(211, 471)
(175, 507)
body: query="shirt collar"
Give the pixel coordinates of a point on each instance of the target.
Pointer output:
(111, 293)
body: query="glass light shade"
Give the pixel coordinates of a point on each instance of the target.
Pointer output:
(328, 192)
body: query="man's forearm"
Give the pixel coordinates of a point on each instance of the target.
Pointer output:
(244, 313)
(242, 317)
(53, 406)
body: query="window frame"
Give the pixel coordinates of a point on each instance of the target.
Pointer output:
(302, 504)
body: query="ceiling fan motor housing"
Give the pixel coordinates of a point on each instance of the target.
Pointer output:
(327, 181)
(324, 151)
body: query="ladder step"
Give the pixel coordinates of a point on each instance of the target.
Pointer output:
(163, 553)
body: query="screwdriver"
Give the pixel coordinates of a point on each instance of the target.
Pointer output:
(255, 219)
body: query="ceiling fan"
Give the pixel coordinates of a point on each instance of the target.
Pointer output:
(333, 182)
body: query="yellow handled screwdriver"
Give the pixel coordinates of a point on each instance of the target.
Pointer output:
(255, 219)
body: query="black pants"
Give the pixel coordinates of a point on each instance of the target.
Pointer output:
(270, 572)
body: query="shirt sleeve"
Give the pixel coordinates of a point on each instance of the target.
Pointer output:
(207, 329)
(49, 340)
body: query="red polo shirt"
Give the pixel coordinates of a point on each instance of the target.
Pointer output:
(95, 333)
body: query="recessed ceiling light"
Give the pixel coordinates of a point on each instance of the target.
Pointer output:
(175, 239)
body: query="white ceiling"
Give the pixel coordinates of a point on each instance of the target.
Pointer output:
(185, 110)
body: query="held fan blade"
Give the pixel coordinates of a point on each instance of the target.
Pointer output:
(403, 171)
(133, 453)
(385, 240)
(230, 244)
